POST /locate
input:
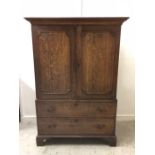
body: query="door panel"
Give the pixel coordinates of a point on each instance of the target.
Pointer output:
(97, 63)
(55, 62)
(53, 57)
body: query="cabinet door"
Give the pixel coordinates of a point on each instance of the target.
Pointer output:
(97, 52)
(53, 53)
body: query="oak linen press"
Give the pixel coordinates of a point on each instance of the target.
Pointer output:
(76, 63)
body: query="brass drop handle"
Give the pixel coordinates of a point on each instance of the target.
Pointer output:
(51, 109)
(78, 65)
(76, 120)
(100, 126)
(99, 110)
(75, 104)
(52, 126)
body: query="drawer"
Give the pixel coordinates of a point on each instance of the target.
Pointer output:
(75, 109)
(75, 126)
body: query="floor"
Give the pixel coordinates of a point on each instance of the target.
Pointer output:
(125, 142)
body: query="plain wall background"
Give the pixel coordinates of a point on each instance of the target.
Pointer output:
(78, 8)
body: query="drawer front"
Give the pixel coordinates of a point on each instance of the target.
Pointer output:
(75, 126)
(75, 109)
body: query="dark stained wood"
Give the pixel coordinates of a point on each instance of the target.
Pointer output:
(76, 65)
(54, 59)
(75, 126)
(97, 62)
(98, 53)
(53, 49)
(78, 21)
(73, 108)
(68, 139)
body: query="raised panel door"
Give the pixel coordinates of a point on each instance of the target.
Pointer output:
(53, 53)
(97, 59)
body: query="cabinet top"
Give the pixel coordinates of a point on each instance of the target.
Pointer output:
(77, 21)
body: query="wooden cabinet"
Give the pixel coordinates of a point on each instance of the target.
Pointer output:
(76, 63)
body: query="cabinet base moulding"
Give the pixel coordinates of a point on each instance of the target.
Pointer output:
(42, 140)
